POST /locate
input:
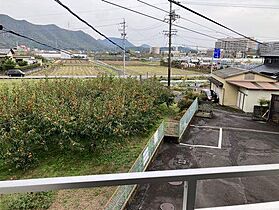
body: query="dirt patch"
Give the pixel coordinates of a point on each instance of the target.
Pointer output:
(84, 199)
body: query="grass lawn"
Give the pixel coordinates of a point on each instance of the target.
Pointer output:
(116, 158)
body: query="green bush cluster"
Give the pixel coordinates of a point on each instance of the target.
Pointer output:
(22, 63)
(188, 98)
(42, 200)
(74, 115)
(7, 64)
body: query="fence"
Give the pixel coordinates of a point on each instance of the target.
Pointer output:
(191, 176)
(123, 193)
(187, 117)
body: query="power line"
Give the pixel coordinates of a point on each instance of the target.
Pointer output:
(33, 40)
(213, 21)
(186, 19)
(155, 18)
(234, 5)
(85, 22)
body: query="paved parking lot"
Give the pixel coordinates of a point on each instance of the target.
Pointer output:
(229, 139)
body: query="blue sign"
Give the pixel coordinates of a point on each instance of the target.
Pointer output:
(217, 53)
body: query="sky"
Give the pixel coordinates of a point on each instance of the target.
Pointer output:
(260, 23)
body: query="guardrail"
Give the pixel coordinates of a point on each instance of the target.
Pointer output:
(123, 193)
(191, 176)
(187, 117)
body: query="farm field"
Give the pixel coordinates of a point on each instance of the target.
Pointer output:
(72, 127)
(136, 68)
(73, 68)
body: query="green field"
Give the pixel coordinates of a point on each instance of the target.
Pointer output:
(74, 68)
(88, 68)
(136, 68)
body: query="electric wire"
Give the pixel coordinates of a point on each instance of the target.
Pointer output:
(155, 18)
(186, 19)
(89, 25)
(33, 40)
(255, 6)
(213, 21)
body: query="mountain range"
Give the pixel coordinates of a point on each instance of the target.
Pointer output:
(54, 36)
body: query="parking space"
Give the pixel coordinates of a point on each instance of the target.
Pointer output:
(243, 142)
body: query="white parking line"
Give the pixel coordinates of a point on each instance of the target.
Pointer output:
(205, 146)
(236, 129)
(220, 138)
(198, 146)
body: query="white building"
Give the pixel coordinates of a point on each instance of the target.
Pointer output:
(236, 47)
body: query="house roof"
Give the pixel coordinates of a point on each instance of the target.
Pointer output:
(267, 68)
(216, 82)
(230, 72)
(5, 51)
(256, 85)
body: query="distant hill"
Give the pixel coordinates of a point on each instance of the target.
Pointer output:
(118, 41)
(145, 46)
(49, 34)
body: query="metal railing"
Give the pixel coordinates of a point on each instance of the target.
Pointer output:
(191, 176)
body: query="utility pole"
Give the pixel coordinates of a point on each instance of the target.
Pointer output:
(123, 35)
(170, 33)
(170, 36)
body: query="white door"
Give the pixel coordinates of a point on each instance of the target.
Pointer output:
(240, 100)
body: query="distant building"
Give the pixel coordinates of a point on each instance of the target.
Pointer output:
(269, 49)
(6, 53)
(155, 50)
(237, 47)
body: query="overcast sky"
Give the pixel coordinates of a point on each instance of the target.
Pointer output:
(257, 22)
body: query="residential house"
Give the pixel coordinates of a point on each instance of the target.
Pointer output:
(6, 53)
(241, 88)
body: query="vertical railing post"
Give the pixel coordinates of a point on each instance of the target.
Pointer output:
(189, 195)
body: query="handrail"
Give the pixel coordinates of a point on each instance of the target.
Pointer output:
(75, 182)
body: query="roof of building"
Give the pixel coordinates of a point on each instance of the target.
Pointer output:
(274, 86)
(5, 51)
(266, 68)
(216, 82)
(229, 72)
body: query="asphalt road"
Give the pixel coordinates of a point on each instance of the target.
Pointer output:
(243, 142)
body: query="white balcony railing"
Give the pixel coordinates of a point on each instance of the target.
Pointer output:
(189, 176)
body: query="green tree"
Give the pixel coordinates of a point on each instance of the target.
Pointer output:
(8, 64)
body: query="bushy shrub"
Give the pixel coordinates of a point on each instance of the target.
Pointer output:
(8, 64)
(184, 103)
(75, 115)
(22, 63)
(28, 201)
(264, 102)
